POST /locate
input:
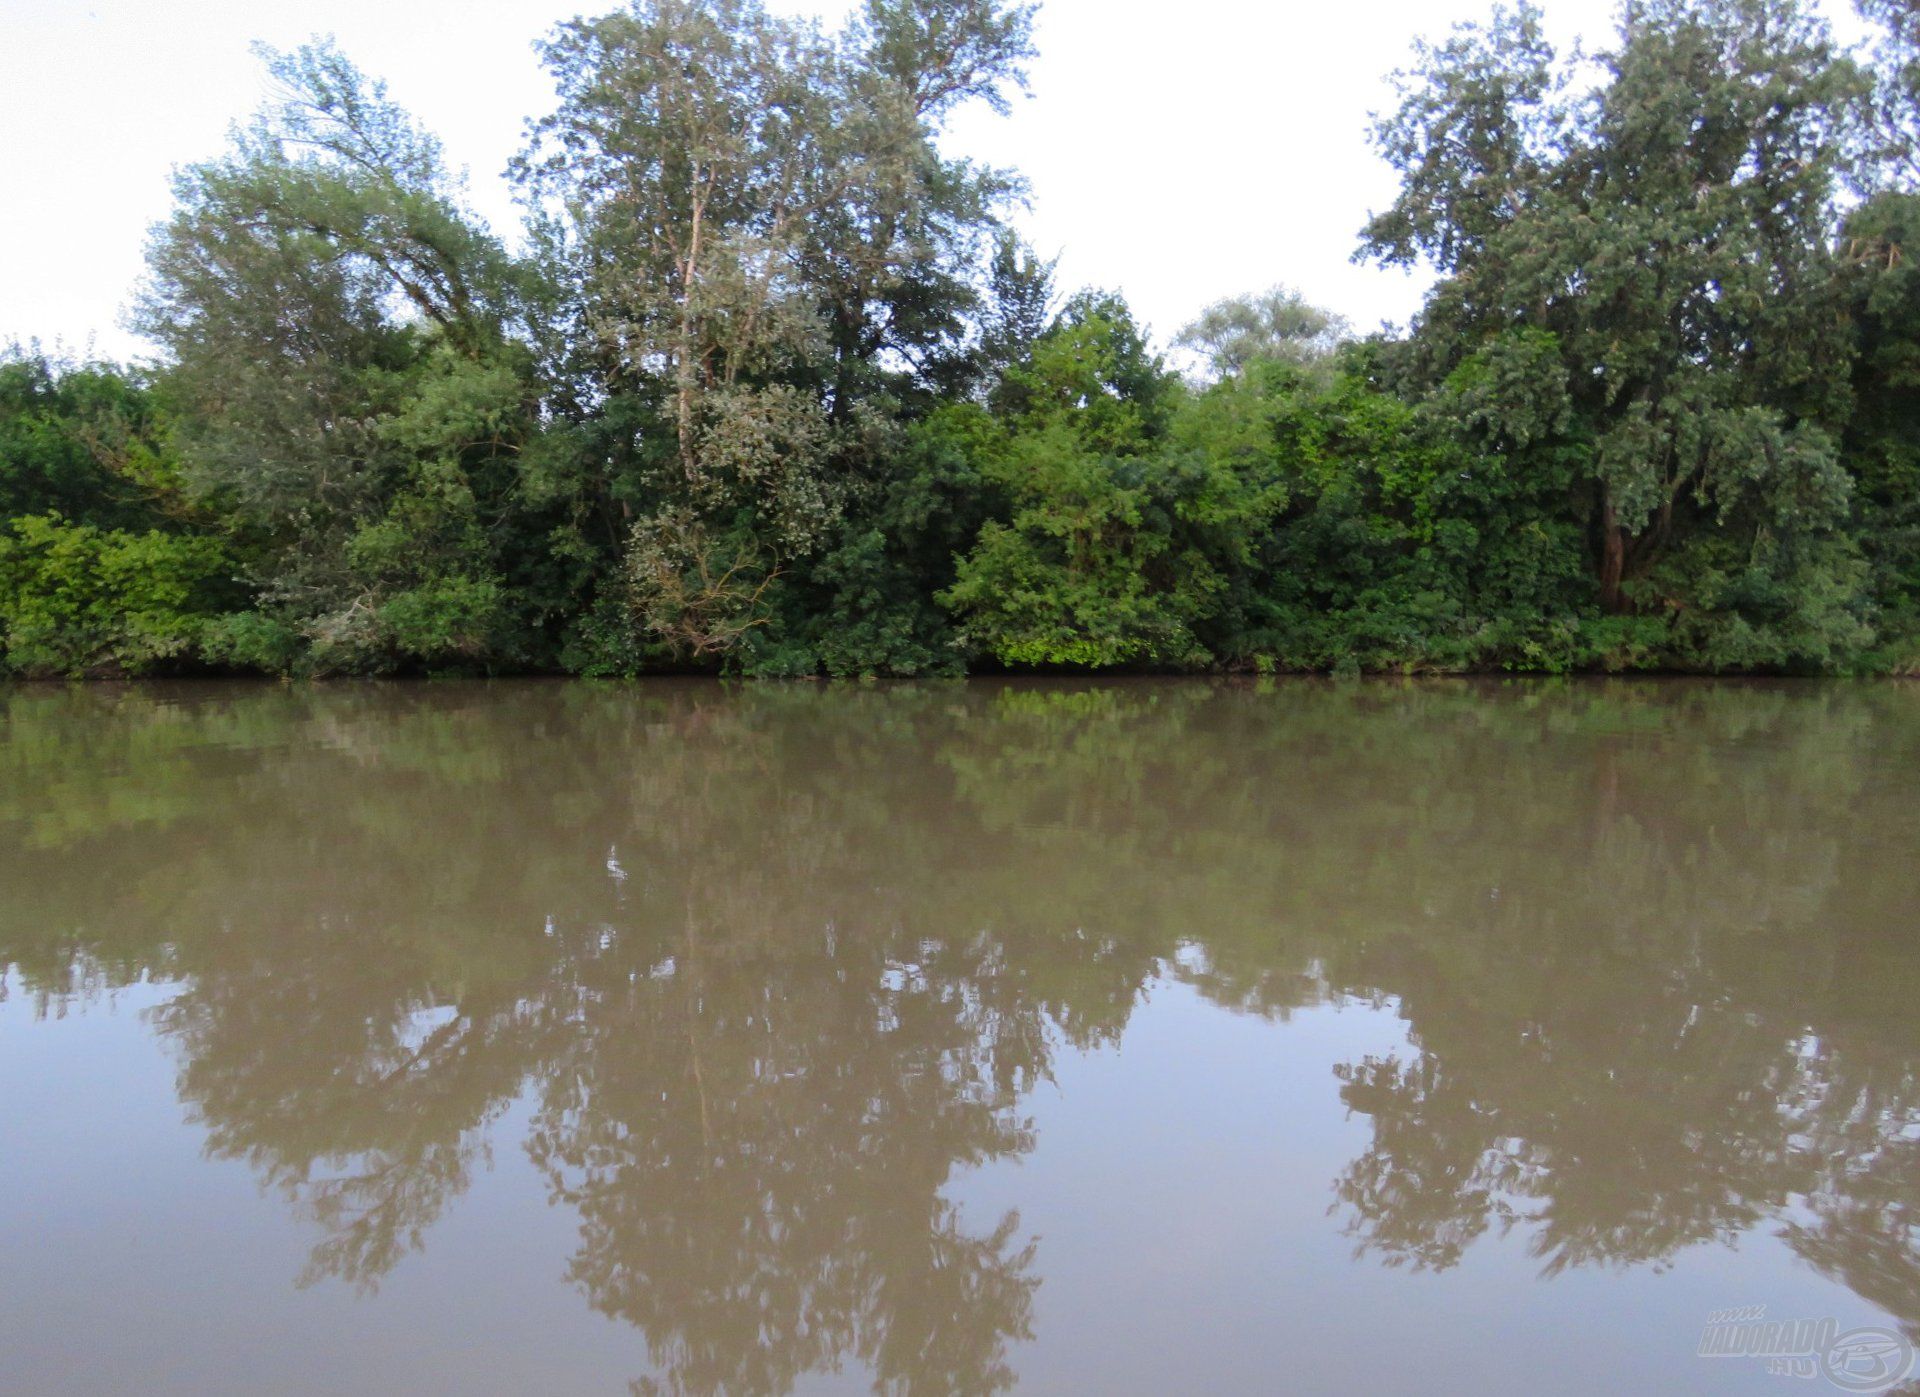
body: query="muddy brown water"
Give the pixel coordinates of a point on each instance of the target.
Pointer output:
(1145, 1036)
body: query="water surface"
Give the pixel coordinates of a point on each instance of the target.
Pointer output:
(1131, 1037)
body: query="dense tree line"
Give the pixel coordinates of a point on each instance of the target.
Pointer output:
(768, 386)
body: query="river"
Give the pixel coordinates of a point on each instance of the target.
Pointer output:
(1142, 1036)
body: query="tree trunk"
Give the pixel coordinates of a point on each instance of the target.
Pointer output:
(1613, 559)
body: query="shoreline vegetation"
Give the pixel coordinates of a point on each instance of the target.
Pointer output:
(766, 386)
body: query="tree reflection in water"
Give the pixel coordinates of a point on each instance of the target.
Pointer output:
(770, 966)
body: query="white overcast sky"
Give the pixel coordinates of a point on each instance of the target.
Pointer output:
(1178, 150)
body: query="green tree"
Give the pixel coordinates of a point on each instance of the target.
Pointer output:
(1895, 126)
(1399, 544)
(1279, 324)
(1669, 231)
(769, 250)
(85, 439)
(1103, 558)
(1883, 434)
(346, 383)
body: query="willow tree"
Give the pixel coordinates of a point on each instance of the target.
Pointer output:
(1279, 325)
(767, 250)
(345, 377)
(1637, 258)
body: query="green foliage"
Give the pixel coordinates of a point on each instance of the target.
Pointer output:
(603, 643)
(1101, 560)
(1402, 545)
(445, 620)
(348, 390)
(86, 440)
(77, 601)
(770, 257)
(774, 391)
(1279, 324)
(251, 641)
(1895, 111)
(1666, 235)
(1081, 574)
(1883, 433)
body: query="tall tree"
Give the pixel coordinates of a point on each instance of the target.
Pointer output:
(1647, 267)
(1882, 239)
(766, 244)
(339, 328)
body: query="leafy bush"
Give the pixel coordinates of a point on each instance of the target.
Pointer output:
(250, 640)
(76, 600)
